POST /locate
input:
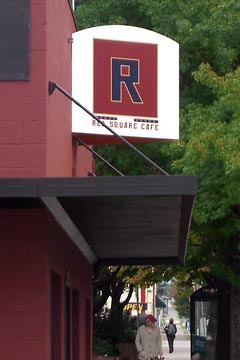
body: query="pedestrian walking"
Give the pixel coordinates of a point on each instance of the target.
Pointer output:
(148, 340)
(170, 330)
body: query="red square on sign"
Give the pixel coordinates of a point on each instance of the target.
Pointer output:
(125, 78)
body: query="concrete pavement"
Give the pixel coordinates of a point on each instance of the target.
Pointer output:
(181, 342)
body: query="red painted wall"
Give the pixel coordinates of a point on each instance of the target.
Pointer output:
(35, 128)
(83, 163)
(23, 295)
(23, 109)
(66, 260)
(143, 298)
(36, 141)
(60, 160)
(60, 27)
(26, 262)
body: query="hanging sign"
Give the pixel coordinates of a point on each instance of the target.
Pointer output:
(128, 77)
(135, 306)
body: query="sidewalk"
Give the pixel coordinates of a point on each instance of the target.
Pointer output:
(181, 342)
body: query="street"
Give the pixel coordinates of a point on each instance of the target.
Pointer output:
(181, 342)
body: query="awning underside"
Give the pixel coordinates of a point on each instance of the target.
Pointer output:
(114, 220)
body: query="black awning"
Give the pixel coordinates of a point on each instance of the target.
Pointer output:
(114, 220)
(159, 303)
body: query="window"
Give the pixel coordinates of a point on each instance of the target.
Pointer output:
(75, 324)
(15, 40)
(55, 316)
(68, 320)
(88, 321)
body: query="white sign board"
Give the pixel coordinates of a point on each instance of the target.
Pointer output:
(129, 78)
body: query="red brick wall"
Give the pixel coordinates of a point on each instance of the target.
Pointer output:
(31, 246)
(66, 260)
(60, 27)
(23, 301)
(83, 162)
(23, 110)
(35, 128)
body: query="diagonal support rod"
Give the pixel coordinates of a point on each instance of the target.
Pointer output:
(99, 156)
(53, 86)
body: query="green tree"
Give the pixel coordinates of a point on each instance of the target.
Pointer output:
(108, 282)
(208, 33)
(182, 298)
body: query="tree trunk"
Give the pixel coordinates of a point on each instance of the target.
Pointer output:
(223, 323)
(116, 314)
(235, 324)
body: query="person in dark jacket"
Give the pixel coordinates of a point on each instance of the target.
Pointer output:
(170, 331)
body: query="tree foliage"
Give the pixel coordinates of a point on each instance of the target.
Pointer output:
(211, 152)
(209, 145)
(109, 326)
(209, 120)
(182, 297)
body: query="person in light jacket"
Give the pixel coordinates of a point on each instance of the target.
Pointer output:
(148, 340)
